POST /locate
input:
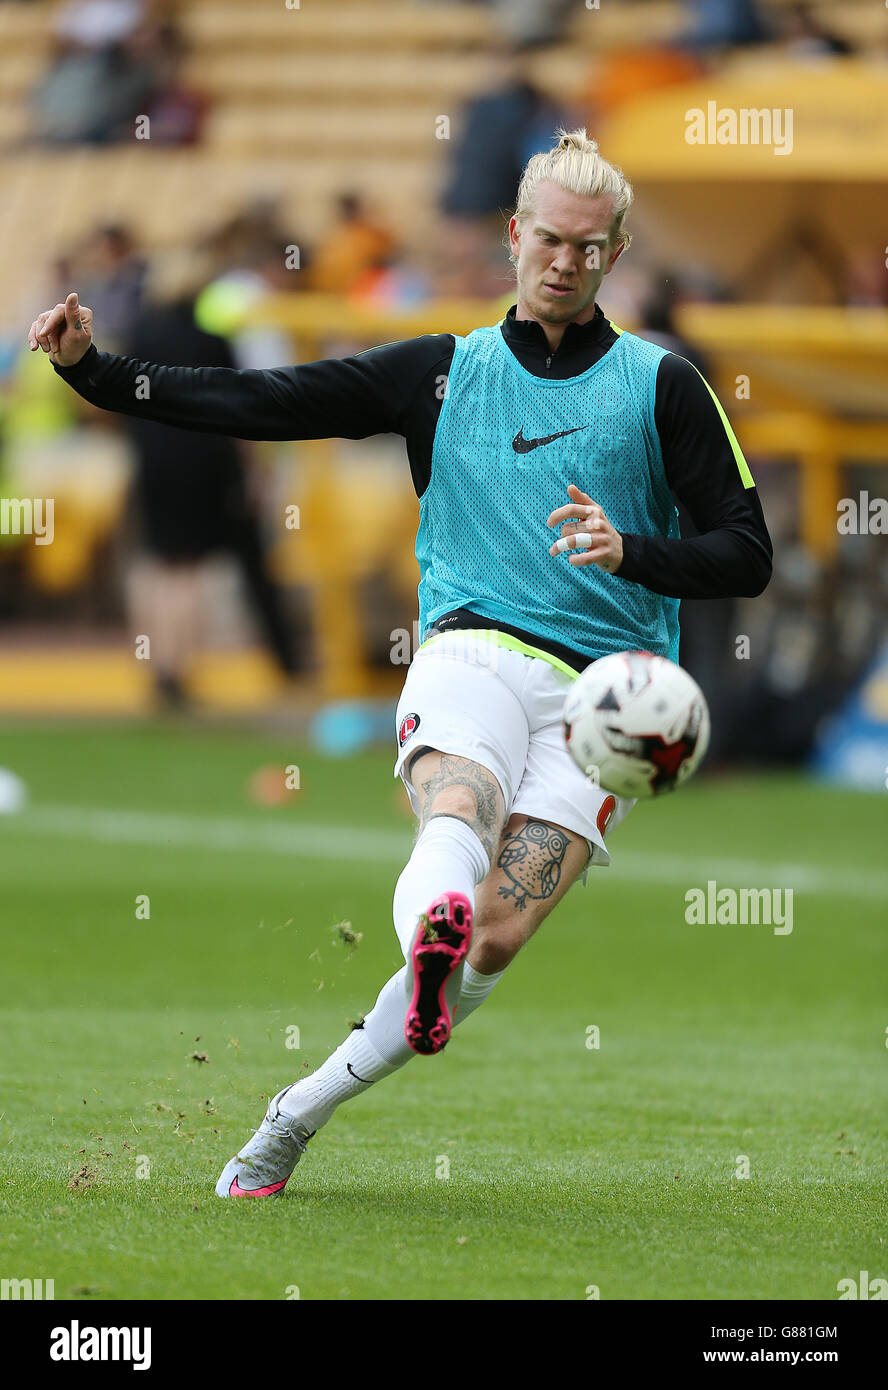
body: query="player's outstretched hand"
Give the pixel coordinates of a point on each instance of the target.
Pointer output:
(65, 332)
(586, 533)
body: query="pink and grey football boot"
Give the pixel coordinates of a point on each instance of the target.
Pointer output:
(264, 1164)
(440, 947)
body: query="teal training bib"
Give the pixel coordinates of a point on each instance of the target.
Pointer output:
(506, 446)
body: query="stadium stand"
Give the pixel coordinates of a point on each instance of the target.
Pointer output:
(338, 96)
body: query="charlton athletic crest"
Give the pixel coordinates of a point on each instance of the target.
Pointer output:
(409, 726)
(605, 811)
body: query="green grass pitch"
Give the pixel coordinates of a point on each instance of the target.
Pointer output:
(570, 1166)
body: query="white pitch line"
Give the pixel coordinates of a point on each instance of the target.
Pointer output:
(177, 830)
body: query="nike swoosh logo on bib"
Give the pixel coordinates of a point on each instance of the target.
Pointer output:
(524, 446)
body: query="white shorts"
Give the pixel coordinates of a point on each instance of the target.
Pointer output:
(468, 694)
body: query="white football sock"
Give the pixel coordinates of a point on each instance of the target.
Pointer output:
(375, 1050)
(384, 1025)
(448, 857)
(474, 989)
(349, 1070)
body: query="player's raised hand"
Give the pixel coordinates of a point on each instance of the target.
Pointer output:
(586, 533)
(64, 332)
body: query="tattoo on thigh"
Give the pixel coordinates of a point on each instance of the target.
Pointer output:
(462, 772)
(532, 859)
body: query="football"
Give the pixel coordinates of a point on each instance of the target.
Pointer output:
(637, 724)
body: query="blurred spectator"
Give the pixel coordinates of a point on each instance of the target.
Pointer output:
(623, 75)
(531, 21)
(665, 295)
(110, 273)
(176, 110)
(707, 625)
(192, 501)
(355, 246)
(724, 24)
(97, 24)
(89, 96)
(111, 63)
(256, 257)
(399, 284)
(804, 35)
(774, 715)
(499, 131)
(528, 21)
(242, 242)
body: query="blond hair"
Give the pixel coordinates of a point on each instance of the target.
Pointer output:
(575, 164)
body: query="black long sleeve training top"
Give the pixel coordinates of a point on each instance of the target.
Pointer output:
(398, 389)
